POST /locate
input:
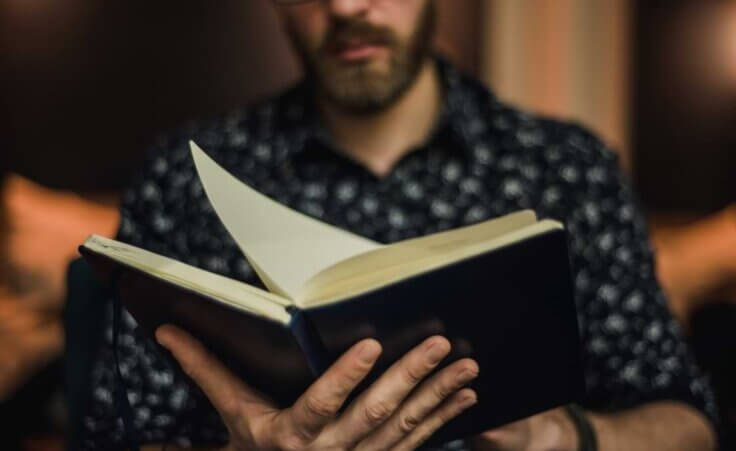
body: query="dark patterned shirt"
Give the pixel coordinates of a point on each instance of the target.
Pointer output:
(484, 159)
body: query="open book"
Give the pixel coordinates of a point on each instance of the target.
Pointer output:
(500, 290)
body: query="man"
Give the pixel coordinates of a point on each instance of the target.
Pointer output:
(390, 142)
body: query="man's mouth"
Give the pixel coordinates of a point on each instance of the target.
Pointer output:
(357, 50)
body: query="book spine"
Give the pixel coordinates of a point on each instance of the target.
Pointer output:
(309, 340)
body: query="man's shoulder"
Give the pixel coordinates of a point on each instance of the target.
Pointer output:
(549, 138)
(518, 131)
(554, 162)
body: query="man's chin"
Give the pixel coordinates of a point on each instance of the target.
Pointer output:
(361, 95)
(368, 87)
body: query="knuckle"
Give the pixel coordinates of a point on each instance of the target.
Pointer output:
(352, 377)
(377, 412)
(318, 407)
(359, 368)
(408, 423)
(347, 377)
(413, 375)
(442, 390)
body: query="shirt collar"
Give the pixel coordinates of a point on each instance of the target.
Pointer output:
(464, 114)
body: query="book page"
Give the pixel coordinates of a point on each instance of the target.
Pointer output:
(232, 292)
(389, 265)
(414, 249)
(286, 248)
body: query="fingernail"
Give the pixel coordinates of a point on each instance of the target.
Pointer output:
(466, 376)
(369, 351)
(468, 400)
(436, 351)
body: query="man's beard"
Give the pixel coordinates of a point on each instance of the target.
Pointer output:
(357, 88)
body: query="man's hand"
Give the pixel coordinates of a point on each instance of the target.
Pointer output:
(399, 411)
(549, 431)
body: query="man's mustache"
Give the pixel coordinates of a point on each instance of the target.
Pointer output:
(344, 33)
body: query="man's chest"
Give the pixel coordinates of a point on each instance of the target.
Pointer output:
(428, 191)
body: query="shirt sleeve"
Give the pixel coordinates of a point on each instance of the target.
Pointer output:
(634, 350)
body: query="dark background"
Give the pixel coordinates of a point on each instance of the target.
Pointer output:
(88, 82)
(683, 119)
(84, 85)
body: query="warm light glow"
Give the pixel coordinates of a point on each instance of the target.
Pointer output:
(728, 42)
(27, 8)
(44, 14)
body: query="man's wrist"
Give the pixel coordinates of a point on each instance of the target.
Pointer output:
(603, 425)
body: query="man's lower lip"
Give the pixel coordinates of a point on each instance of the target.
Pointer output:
(360, 53)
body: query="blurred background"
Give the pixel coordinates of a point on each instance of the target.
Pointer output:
(85, 85)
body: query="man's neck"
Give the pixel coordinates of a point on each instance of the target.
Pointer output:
(380, 140)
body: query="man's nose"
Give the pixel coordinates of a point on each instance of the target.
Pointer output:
(348, 8)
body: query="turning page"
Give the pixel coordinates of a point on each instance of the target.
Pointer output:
(286, 248)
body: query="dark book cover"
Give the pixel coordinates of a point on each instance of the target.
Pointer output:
(511, 309)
